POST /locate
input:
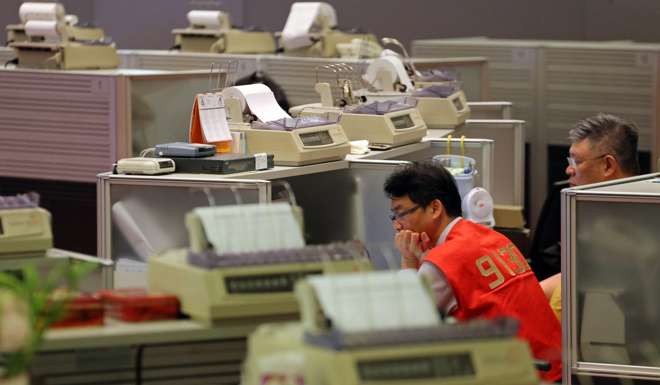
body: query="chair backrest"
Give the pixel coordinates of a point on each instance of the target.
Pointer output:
(544, 253)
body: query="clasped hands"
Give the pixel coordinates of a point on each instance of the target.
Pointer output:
(412, 246)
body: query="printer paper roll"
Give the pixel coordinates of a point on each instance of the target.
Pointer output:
(300, 20)
(206, 19)
(391, 64)
(41, 11)
(71, 20)
(259, 99)
(51, 30)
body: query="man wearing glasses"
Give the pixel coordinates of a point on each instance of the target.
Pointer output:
(603, 148)
(475, 271)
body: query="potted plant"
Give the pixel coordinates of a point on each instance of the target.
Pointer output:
(29, 304)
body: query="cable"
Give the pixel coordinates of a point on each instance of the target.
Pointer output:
(138, 364)
(147, 151)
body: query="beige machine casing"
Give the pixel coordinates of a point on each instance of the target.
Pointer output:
(495, 362)
(77, 33)
(262, 290)
(204, 295)
(448, 112)
(16, 33)
(224, 41)
(288, 147)
(379, 130)
(65, 56)
(26, 232)
(282, 339)
(437, 112)
(291, 351)
(326, 44)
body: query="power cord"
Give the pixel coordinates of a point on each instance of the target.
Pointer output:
(148, 152)
(139, 353)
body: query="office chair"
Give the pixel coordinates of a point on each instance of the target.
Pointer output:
(544, 253)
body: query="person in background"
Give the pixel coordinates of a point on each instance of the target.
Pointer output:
(603, 148)
(475, 271)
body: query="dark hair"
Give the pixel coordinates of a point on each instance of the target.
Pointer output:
(424, 182)
(612, 135)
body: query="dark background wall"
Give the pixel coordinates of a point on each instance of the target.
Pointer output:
(147, 23)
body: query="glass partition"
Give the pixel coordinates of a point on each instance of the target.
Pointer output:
(509, 159)
(139, 217)
(481, 150)
(610, 270)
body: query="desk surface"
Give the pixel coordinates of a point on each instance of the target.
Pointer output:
(123, 334)
(281, 172)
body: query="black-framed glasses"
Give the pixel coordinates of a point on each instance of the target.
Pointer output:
(394, 216)
(574, 163)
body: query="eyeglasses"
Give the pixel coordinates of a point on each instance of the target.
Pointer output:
(395, 216)
(573, 163)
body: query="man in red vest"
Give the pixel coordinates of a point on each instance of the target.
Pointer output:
(475, 272)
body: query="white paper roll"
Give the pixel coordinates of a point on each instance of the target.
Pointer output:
(41, 11)
(207, 19)
(71, 20)
(300, 20)
(259, 99)
(391, 64)
(51, 30)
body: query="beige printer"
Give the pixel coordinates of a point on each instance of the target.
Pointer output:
(25, 230)
(441, 103)
(49, 45)
(253, 112)
(74, 30)
(211, 31)
(383, 327)
(230, 272)
(311, 30)
(385, 124)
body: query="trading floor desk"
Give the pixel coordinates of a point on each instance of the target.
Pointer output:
(341, 200)
(159, 352)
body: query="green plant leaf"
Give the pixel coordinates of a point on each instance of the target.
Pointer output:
(10, 282)
(43, 308)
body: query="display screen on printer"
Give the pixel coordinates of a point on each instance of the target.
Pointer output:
(165, 164)
(401, 122)
(441, 366)
(316, 138)
(458, 104)
(265, 283)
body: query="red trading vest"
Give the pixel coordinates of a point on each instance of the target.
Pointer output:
(490, 279)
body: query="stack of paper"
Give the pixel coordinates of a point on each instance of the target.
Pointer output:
(250, 227)
(381, 300)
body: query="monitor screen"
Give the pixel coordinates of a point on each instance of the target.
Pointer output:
(316, 138)
(402, 121)
(458, 104)
(440, 366)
